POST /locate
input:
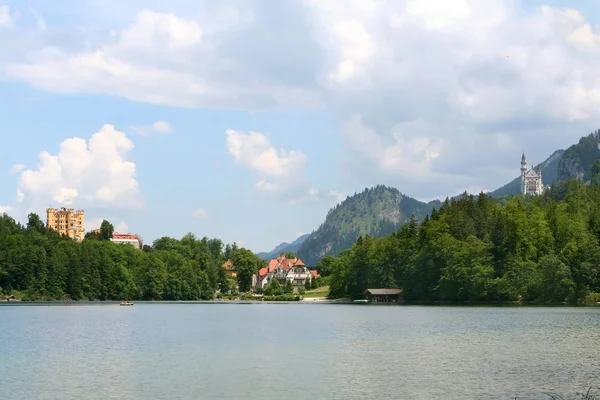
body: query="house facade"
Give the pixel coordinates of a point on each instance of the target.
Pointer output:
(284, 270)
(127, 238)
(229, 268)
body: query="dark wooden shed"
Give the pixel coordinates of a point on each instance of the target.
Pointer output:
(383, 295)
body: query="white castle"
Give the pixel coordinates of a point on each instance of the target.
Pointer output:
(531, 180)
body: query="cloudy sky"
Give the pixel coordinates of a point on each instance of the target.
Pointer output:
(248, 120)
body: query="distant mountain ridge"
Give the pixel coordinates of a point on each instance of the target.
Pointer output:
(284, 248)
(382, 210)
(378, 212)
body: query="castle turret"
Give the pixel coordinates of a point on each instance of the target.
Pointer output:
(523, 171)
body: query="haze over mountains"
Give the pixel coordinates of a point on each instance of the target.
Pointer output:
(284, 248)
(382, 210)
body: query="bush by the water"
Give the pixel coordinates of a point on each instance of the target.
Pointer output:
(283, 297)
(592, 298)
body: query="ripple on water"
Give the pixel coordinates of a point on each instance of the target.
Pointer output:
(170, 351)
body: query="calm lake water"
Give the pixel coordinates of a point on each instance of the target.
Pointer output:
(296, 351)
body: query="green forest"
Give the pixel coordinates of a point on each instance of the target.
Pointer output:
(38, 264)
(473, 248)
(376, 212)
(477, 248)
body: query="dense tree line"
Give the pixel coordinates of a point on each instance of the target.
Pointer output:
(474, 248)
(37, 263)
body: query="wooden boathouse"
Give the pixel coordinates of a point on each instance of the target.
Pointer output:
(383, 295)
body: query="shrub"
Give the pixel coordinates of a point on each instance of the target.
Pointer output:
(301, 291)
(592, 298)
(247, 296)
(288, 288)
(282, 297)
(273, 288)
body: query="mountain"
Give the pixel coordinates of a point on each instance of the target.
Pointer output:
(378, 212)
(549, 175)
(578, 159)
(573, 163)
(284, 248)
(382, 210)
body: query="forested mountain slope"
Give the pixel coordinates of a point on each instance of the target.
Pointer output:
(543, 249)
(578, 159)
(377, 212)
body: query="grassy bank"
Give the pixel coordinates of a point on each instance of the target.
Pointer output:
(323, 291)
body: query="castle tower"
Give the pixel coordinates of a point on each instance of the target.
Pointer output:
(523, 171)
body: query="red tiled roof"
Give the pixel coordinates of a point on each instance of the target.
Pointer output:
(262, 272)
(284, 263)
(126, 236)
(314, 273)
(273, 265)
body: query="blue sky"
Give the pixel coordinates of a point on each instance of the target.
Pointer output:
(267, 114)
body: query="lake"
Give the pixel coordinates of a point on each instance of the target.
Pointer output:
(296, 351)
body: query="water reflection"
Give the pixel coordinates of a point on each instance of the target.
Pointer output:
(160, 351)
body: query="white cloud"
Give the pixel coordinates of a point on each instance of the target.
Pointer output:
(422, 90)
(337, 196)
(159, 127)
(7, 20)
(164, 58)
(331, 197)
(444, 77)
(95, 223)
(92, 173)
(39, 20)
(200, 213)
(121, 227)
(5, 209)
(279, 170)
(408, 150)
(17, 168)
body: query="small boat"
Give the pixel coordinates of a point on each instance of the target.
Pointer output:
(361, 301)
(126, 303)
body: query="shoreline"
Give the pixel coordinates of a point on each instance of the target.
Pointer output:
(316, 300)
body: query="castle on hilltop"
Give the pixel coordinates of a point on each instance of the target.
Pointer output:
(531, 180)
(66, 222)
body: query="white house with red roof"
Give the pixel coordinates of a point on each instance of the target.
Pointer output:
(284, 270)
(127, 238)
